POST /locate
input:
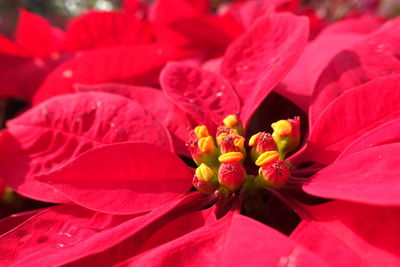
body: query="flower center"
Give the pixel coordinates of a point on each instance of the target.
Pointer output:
(220, 160)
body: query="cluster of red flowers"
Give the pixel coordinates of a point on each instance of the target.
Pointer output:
(113, 99)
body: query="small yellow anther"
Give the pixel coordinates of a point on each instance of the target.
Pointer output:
(206, 144)
(230, 157)
(201, 131)
(239, 142)
(204, 173)
(230, 121)
(282, 128)
(253, 139)
(267, 158)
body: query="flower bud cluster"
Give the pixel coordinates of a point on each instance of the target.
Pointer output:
(220, 160)
(269, 151)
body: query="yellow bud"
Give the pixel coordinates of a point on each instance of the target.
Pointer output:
(253, 139)
(201, 131)
(206, 144)
(230, 157)
(230, 121)
(204, 173)
(282, 128)
(239, 142)
(267, 158)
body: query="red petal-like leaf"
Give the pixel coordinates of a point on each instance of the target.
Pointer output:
(14, 220)
(182, 225)
(134, 6)
(170, 115)
(370, 176)
(385, 134)
(348, 234)
(212, 33)
(166, 12)
(232, 241)
(37, 36)
(375, 56)
(57, 131)
(138, 65)
(351, 115)
(100, 29)
(206, 96)
(261, 57)
(8, 47)
(246, 12)
(359, 25)
(299, 83)
(137, 177)
(21, 77)
(70, 233)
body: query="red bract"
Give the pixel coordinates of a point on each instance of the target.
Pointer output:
(253, 65)
(56, 132)
(350, 234)
(373, 57)
(175, 25)
(299, 83)
(71, 234)
(194, 91)
(226, 243)
(369, 176)
(27, 60)
(138, 65)
(37, 36)
(262, 56)
(363, 108)
(121, 172)
(153, 100)
(102, 29)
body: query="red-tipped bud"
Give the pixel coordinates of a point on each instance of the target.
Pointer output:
(203, 148)
(231, 175)
(286, 135)
(222, 132)
(205, 180)
(260, 143)
(274, 175)
(232, 143)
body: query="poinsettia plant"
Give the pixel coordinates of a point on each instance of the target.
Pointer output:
(156, 153)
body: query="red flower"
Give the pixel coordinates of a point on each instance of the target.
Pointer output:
(111, 163)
